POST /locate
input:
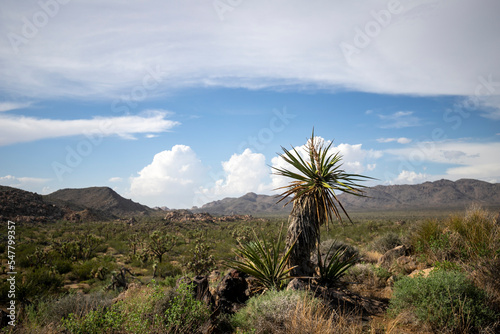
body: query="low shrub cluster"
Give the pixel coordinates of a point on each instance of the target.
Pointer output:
(291, 312)
(447, 301)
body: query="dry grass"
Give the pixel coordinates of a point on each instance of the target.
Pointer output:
(321, 319)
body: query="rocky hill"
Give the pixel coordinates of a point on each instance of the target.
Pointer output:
(438, 194)
(24, 206)
(102, 199)
(250, 203)
(443, 194)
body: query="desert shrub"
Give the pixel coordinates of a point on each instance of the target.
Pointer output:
(37, 283)
(53, 310)
(333, 265)
(185, 314)
(333, 246)
(476, 233)
(156, 310)
(386, 242)
(63, 266)
(263, 260)
(431, 241)
(83, 271)
(102, 320)
(290, 312)
(167, 269)
(446, 300)
(269, 312)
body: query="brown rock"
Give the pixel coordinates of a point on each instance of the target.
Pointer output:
(406, 263)
(296, 284)
(231, 292)
(391, 255)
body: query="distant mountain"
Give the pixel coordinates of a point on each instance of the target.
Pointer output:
(102, 199)
(434, 195)
(250, 203)
(439, 194)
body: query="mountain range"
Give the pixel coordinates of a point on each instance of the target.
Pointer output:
(104, 203)
(443, 194)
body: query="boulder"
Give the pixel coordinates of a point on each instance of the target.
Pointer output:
(296, 284)
(406, 264)
(232, 292)
(391, 255)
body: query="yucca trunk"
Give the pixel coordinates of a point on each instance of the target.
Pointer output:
(303, 235)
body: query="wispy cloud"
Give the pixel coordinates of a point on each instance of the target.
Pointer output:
(115, 179)
(400, 140)
(468, 159)
(6, 106)
(18, 129)
(400, 119)
(26, 183)
(72, 56)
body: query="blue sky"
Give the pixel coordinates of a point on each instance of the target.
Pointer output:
(179, 104)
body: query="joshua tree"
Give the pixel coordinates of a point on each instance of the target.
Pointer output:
(312, 190)
(160, 244)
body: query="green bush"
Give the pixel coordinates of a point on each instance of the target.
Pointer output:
(101, 320)
(263, 260)
(185, 314)
(445, 300)
(63, 266)
(334, 264)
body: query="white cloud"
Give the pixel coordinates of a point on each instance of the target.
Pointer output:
(18, 129)
(115, 179)
(410, 177)
(400, 119)
(6, 106)
(401, 140)
(26, 183)
(355, 160)
(430, 47)
(243, 173)
(171, 180)
(471, 159)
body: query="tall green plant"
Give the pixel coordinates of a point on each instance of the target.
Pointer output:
(313, 186)
(333, 267)
(263, 260)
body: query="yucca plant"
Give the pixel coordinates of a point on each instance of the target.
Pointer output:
(262, 259)
(333, 267)
(312, 189)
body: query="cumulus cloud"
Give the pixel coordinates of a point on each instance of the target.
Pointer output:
(243, 173)
(355, 159)
(410, 177)
(171, 179)
(18, 129)
(424, 47)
